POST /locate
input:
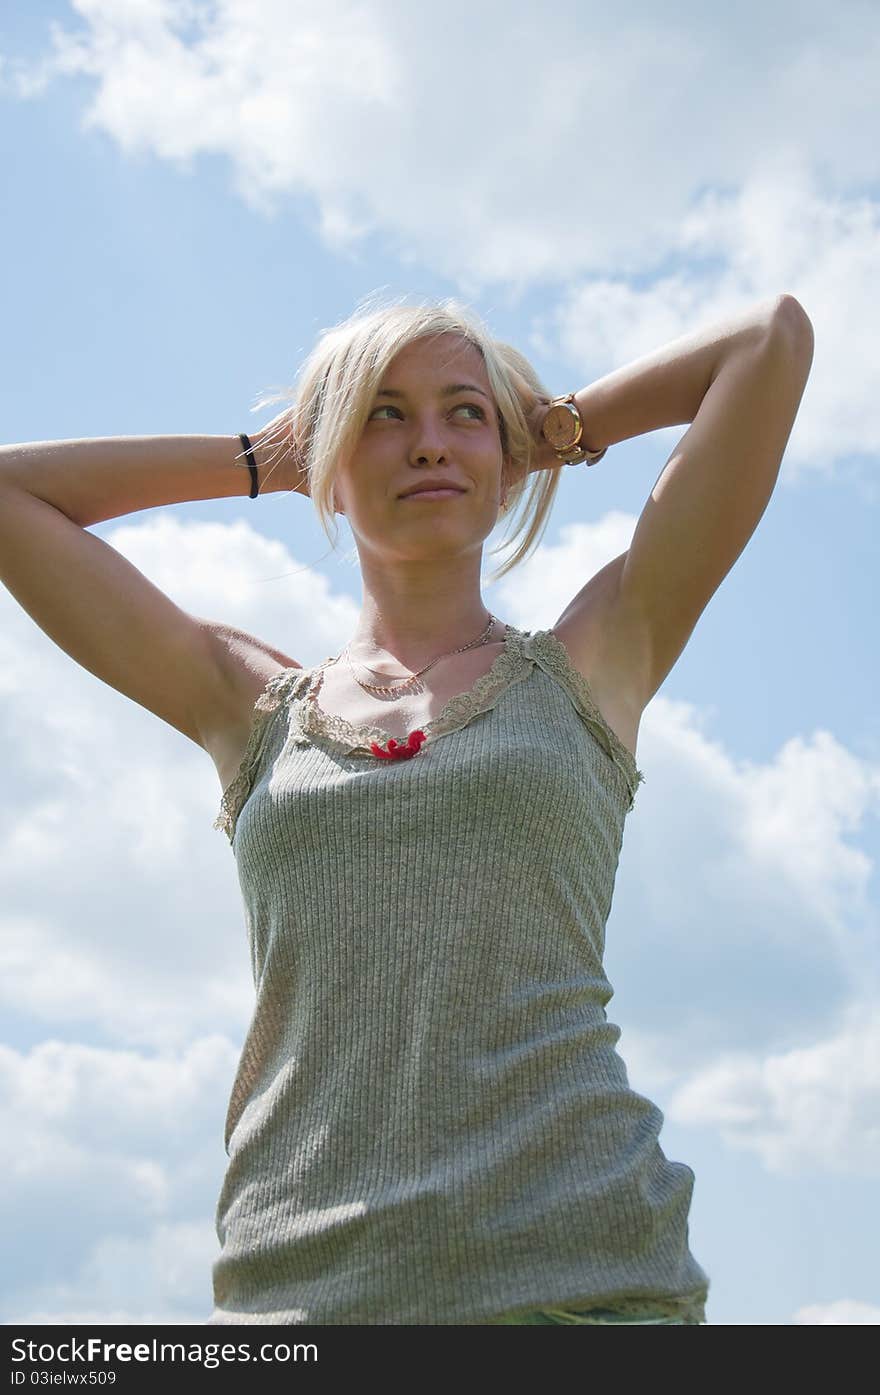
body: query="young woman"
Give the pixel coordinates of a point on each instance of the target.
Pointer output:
(430, 1122)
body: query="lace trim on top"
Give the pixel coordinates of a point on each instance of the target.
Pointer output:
(456, 713)
(264, 708)
(513, 664)
(646, 1310)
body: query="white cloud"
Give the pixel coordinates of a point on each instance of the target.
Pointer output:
(774, 233)
(812, 1107)
(116, 892)
(91, 1317)
(663, 171)
(452, 136)
(846, 1312)
(164, 1273)
(539, 589)
(126, 1097)
(105, 1154)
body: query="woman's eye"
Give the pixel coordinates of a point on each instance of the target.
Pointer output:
(462, 406)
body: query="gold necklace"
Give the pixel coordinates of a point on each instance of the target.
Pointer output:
(379, 688)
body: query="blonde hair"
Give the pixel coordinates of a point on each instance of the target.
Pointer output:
(336, 386)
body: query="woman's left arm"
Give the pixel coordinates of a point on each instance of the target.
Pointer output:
(667, 386)
(740, 384)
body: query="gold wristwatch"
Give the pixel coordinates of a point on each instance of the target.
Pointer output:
(563, 429)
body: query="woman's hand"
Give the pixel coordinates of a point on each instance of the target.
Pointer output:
(277, 450)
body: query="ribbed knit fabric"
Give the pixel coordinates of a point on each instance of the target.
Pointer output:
(429, 1122)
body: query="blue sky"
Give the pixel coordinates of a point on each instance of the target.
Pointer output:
(190, 194)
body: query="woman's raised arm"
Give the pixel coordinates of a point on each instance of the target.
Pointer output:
(88, 598)
(93, 480)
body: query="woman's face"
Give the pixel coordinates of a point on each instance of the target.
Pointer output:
(418, 429)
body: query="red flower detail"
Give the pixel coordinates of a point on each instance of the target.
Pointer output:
(396, 752)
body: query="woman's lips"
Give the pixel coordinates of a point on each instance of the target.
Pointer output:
(433, 494)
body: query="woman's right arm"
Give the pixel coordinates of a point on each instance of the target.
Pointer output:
(88, 598)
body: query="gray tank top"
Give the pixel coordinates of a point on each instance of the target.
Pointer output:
(429, 1122)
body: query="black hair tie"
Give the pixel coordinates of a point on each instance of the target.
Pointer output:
(252, 466)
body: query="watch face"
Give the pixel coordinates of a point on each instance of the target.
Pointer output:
(560, 427)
